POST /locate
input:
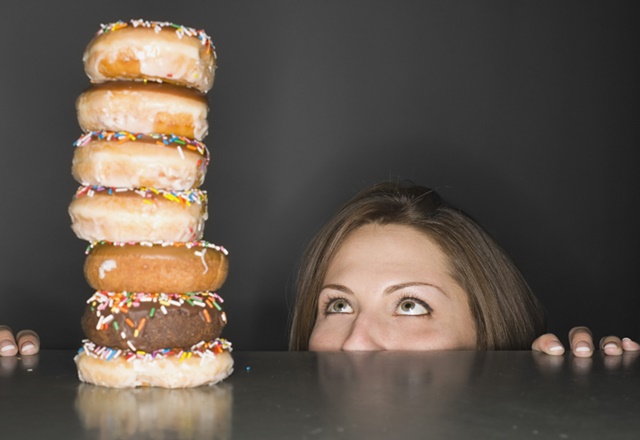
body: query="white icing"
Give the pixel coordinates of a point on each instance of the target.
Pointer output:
(133, 166)
(106, 266)
(204, 263)
(159, 59)
(136, 111)
(118, 221)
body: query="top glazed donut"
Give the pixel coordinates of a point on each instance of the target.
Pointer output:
(151, 50)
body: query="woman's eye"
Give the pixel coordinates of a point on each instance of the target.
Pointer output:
(339, 306)
(410, 306)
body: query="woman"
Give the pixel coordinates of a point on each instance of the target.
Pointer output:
(398, 268)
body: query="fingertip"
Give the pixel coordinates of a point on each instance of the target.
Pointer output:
(29, 342)
(28, 349)
(7, 348)
(612, 349)
(555, 348)
(630, 345)
(548, 344)
(582, 349)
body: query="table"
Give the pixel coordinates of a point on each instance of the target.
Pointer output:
(303, 395)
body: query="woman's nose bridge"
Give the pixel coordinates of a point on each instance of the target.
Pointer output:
(363, 335)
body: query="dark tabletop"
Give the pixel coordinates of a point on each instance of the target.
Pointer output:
(281, 395)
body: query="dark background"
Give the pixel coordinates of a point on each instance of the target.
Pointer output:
(523, 113)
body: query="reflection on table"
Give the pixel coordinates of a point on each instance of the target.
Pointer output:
(379, 392)
(203, 412)
(378, 395)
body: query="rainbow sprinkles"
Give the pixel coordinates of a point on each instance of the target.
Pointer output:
(160, 139)
(158, 26)
(185, 197)
(121, 302)
(203, 349)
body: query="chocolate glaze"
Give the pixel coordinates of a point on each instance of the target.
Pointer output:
(181, 327)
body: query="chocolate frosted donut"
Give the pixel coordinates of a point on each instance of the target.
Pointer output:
(152, 321)
(156, 267)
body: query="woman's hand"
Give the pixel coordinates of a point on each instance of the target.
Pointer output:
(27, 343)
(581, 343)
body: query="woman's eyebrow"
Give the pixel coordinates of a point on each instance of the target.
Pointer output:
(338, 287)
(397, 287)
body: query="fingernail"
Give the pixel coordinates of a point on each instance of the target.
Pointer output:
(611, 346)
(627, 339)
(555, 346)
(27, 348)
(7, 347)
(582, 347)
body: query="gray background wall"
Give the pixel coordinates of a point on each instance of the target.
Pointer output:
(523, 113)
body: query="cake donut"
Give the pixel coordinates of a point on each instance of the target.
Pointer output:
(207, 362)
(127, 160)
(140, 214)
(152, 321)
(156, 267)
(151, 50)
(140, 107)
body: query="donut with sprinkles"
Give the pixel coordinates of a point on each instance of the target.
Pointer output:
(152, 321)
(132, 160)
(138, 214)
(206, 362)
(151, 51)
(143, 108)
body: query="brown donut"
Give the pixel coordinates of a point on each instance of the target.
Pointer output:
(134, 215)
(152, 321)
(127, 160)
(143, 108)
(160, 267)
(151, 50)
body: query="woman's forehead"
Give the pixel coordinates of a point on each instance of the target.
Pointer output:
(388, 248)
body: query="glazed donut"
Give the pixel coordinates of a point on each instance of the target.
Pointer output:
(204, 363)
(135, 215)
(143, 108)
(126, 160)
(152, 321)
(156, 267)
(151, 50)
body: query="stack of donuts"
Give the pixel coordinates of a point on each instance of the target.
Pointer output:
(154, 319)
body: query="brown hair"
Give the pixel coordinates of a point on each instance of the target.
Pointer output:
(506, 314)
